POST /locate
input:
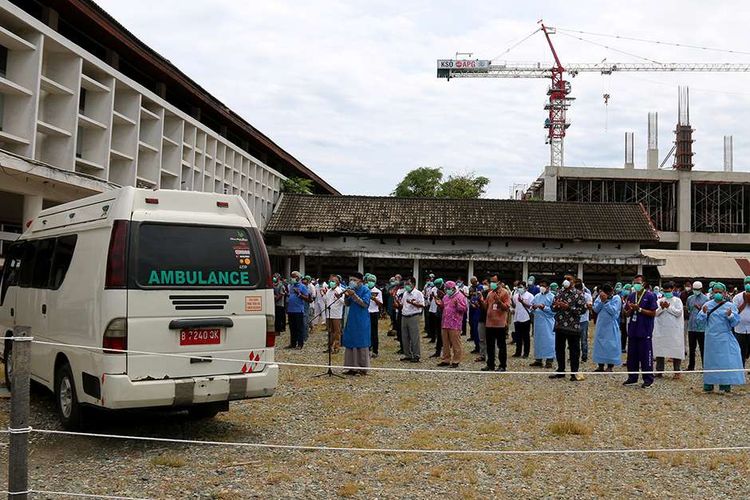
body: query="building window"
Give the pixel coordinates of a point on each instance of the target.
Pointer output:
(82, 101)
(3, 61)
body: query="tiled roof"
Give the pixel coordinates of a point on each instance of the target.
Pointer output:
(450, 218)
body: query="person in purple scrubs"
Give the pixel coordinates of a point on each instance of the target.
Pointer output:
(640, 307)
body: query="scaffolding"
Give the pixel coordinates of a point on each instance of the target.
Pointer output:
(659, 198)
(720, 208)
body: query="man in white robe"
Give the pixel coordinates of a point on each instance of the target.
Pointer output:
(669, 335)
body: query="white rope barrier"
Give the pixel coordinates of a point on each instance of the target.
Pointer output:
(423, 451)
(71, 494)
(382, 368)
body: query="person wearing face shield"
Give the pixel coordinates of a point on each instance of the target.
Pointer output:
(641, 308)
(742, 330)
(532, 287)
(721, 346)
(356, 338)
(544, 326)
(569, 305)
(608, 307)
(669, 333)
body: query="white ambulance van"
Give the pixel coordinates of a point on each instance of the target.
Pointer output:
(180, 278)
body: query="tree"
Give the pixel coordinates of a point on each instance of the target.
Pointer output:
(426, 182)
(297, 185)
(463, 186)
(422, 182)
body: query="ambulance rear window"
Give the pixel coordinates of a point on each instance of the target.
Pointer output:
(192, 256)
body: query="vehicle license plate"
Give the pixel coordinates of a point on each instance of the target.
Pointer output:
(198, 336)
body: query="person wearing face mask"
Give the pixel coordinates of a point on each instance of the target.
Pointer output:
(569, 305)
(411, 304)
(279, 301)
(497, 304)
(742, 330)
(641, 308)
(522, 300)
(696, 326)
(669, 336)
(474, 312)
(454, 306)
(608, 307)
(624, 319)
(391, 290)
(376, 302)
(722, 349)
(426, 292)
(483, 290)
(437, 319)
(585, 320)
(554, 287)
(533, 288)
(334, 312)
(298, 299)
(544, 326)
(356, 338)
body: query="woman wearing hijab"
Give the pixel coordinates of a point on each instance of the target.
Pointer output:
(721, 347)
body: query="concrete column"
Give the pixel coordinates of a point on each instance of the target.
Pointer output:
(302, 264)
(361, 264)
(415, 270)
(471, 271)
(684, 213)
(550, 184)
(525, 271)
(288, 267)
(580, 271)
(32, 205)
(640, 269)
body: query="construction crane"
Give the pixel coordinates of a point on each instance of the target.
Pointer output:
(559, 91)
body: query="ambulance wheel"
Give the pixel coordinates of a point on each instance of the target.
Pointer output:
(68, 409)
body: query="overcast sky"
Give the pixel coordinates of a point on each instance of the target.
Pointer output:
(349, 87)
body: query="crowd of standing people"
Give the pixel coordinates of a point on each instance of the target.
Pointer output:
(648, 324)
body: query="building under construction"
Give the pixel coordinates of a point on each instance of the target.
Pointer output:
(691, 209)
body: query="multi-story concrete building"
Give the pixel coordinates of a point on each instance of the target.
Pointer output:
(85, 106)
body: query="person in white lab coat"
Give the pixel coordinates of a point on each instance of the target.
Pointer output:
(669, 335)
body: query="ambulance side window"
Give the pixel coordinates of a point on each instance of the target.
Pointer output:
(12, 266)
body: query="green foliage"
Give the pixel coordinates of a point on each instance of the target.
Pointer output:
(422, 182)
(297, 185)
(426, 182)
(464, 186)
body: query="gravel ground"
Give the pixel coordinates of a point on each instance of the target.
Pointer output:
(407, 410)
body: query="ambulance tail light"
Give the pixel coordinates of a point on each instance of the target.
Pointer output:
(116, 276)
(116, 336)
(270, 330)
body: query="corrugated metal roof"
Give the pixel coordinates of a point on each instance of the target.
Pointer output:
(454, 218)
(699, 264)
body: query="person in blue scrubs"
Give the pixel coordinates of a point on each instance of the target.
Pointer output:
(607, 346)
(721, 347)
(544, 326)
(356, 338)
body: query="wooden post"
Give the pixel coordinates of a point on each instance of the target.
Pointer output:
(18, 449)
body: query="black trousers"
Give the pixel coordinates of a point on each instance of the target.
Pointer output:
(297, 329)
(744, 340)
(434, 328)
(374, 317)
(496, 339)
(693, 339)
(427, 325)
(523, 338)
(573, 339)
(437, 328)
(624, 336)
(279, 319)
(399, 337)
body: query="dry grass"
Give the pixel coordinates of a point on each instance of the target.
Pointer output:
(529, 468)
(570, 427)
(168, 460)
(348, 489)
